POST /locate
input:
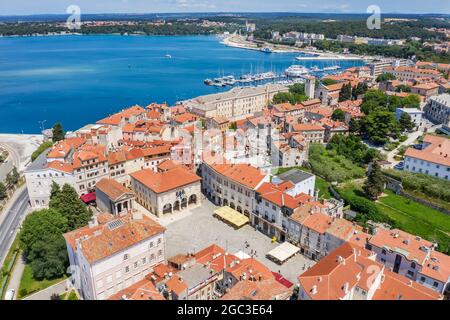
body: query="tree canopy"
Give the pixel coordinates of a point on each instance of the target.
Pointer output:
(43, 245)
(67, 202)
(374, 185)
(58, 132)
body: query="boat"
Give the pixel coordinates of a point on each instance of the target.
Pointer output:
(296, 71)
(208, 82)
(168, 56)
(315, 69)
(267, 50)
(218, 82)
(331, 68)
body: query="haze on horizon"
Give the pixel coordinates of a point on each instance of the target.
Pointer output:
(28, 7)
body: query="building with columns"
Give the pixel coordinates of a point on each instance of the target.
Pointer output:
(172, 189)
(112, 197)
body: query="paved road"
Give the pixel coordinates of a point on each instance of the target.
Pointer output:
(13, 160)
(47, 293)
(11, 220)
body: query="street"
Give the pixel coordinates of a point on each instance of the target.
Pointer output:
(11, 220)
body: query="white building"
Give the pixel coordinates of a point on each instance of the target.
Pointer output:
(415, 114)
(40, 176)
(437, 109)
(115, 254)
(433, 158)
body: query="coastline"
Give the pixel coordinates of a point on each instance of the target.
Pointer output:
(236, 41)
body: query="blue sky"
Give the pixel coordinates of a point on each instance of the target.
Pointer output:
(149, 6)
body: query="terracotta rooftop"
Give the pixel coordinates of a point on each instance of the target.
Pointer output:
(116, 118)
(306, 127)
(142, 290)
(102, 241)
(244, 174)
(160, 182)
(412, 247)
(396, 287)
(113, 189)
(269, 289)
(340, 271)
(437, 150)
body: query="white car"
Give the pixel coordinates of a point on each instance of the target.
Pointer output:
(10, 294)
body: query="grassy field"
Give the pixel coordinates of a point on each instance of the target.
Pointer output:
(29, 285)
(412, 217)
(69, 296)
(331, 166)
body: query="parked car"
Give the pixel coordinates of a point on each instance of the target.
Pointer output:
(400, 166)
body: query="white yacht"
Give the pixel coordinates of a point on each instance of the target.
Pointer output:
(296, 71)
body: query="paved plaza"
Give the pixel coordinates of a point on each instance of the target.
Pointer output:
(198, 228)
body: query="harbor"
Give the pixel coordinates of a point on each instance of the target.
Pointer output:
(294, 74)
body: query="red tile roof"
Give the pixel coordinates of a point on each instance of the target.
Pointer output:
(397, 287)
(438, 150)
(102, 241)
(243, 174)
(160, 182)
(113, 189)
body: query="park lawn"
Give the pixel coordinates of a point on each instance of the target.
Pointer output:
(417, 210)
(69, 296)
(29, 285)
(412, 217)
(322, 185)
(436, 201)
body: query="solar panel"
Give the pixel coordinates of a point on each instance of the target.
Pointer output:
(115, 224)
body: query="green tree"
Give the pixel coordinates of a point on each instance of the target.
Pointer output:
(71, 207)
(411, 101)
(406, 122)
(233, 126)
(345, 93)
(58, 132)
(13, 177)
(374, 185)
(385, 77)
(3, 191)
(403, 88)
(379, 126)
(297, 88)
(359, 89)
(338, 115)
(55, 190)
(43, 244)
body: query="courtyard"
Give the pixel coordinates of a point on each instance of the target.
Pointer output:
(196, 229)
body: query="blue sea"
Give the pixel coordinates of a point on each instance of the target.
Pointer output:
(77, 80)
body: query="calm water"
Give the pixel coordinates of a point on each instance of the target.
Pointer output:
(79, 79)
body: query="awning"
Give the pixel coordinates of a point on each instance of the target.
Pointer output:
(283, 252)
(231, 216)
(279, 278)
(89, 197)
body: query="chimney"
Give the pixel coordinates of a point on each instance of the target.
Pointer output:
(345, 287)
(314, 289)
